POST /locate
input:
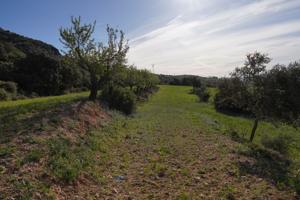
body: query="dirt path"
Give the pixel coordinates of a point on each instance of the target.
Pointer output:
(166, 154)
(167, 150)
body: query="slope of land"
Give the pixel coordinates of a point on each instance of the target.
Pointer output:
(173, 148)
(25, 45)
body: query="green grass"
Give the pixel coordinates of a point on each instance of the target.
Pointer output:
(37, 104)
(205, 115)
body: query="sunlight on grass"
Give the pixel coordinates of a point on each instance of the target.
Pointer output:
(28, 105)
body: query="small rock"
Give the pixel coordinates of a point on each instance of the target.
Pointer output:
(197, 179)
(115, 191)
(119, 178)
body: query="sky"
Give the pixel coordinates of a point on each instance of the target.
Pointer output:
(200, 37)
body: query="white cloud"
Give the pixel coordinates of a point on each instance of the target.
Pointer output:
(215, 43)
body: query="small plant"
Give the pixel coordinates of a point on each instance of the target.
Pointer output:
(33, 156)
(228, 192)
(65, 169)
(160, 169)
(63, 163)
(5, 152)
(184, 196)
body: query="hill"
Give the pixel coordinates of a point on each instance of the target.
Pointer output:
(10, 41)
(36, 67)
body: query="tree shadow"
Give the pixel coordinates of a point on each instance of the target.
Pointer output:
(269, 165)
(15, 123)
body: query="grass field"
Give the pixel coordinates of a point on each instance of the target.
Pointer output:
(173, 147)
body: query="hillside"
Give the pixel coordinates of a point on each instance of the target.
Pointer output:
(24, 44)
(37, 68)
(173, 147)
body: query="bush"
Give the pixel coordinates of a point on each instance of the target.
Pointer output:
(202, 93)
(279, 143)
(3, 95)
(232, 97)
(8, 90)
(122, 99)
(9, 86)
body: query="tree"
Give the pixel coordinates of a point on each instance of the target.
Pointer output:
(82, 49)
(103, 62)
(251, 76)
(282, 93)
(113, 58)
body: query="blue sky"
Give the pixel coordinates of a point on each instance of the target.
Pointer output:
(203, 37)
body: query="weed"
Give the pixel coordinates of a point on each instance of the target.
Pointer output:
(160, 169)
(184, 196)
(228, 192)
(63, 163)
(33, 156)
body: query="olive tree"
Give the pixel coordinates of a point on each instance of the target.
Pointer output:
(251, 75)
(103, 62)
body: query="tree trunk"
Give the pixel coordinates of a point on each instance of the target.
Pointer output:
(93, 90)
(93, 94)
(254, 130)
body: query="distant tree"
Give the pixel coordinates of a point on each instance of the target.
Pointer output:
(251, 76)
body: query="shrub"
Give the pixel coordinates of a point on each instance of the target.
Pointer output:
(122, 99)
(232, 96)
(202, 93)
(3, 95)
(279, 143)
(9, 86)
(8, 90)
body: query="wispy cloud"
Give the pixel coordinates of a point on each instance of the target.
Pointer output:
(205, 42)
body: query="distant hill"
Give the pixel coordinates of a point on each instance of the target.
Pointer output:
(33, 65)
(12, 41)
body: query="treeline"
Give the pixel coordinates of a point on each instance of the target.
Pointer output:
(187, 80)
(263, 94)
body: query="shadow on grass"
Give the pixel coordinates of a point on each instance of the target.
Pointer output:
(267, 164)
(18, 121)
